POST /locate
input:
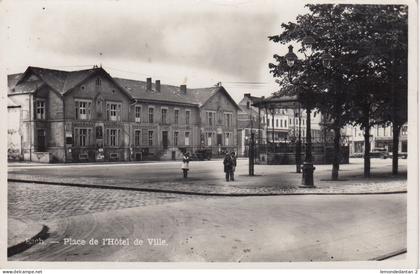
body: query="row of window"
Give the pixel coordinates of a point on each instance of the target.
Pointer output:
(211, 118)
(113, 113)
(212, 137)
(150, 142)
(83, 137)
(283, 122)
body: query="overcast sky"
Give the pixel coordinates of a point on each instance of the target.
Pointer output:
(195, 42)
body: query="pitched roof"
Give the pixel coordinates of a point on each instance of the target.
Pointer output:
(168, 93)
(12, 79)
(283, 101)
(59, 80)
(63, 81)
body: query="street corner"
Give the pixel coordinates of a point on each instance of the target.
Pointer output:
(23, 234)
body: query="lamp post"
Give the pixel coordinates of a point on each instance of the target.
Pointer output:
(299, 145)
(291, 58)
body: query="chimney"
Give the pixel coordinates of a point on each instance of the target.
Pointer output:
(149, 84)
(157, 85)
(183, 89)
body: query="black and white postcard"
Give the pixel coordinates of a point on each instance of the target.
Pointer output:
(207, 133)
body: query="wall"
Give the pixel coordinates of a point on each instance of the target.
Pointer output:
(220, 104)
(14, 133)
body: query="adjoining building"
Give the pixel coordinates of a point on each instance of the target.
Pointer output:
(275, 125)
(87, 115)
(285, 129)
(381, 138)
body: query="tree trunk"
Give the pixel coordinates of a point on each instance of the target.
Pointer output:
(337, 154)
(395, 143)
(367, 152)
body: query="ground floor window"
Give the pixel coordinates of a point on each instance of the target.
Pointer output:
(187, 138)
(113, 137)
(176, 133)
(209, 137)
(228, 137)
(83, 137)
(150, 138)
(137, 138)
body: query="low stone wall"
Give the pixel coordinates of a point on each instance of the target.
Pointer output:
(38, 157)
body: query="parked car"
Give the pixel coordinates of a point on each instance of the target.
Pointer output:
(357, 155)
(202, 154)
(379, 153)
(402, 155)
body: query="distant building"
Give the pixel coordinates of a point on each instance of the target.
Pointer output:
(276, 125)
(249, 121)
(87, 115)
(381, 137)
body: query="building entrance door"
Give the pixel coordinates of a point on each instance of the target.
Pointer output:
(165, 139)
(219, 139)
(41, 140)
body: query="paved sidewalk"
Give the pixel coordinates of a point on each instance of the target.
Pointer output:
(22, 234)
(269, 180)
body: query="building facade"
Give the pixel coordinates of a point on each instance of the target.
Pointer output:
(88, 115)
(275, 125)
(381, 137)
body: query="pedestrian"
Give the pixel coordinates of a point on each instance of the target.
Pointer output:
(232, 174)
(228, 164)
(185, 164)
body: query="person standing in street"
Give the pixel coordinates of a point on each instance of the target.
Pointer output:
(185, 164)
(228, 164)
(232, 174)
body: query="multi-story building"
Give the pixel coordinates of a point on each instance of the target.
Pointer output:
(87, 115)
(249, 120)
(278, 124)
(380, 137)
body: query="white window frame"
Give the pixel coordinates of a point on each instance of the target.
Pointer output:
(137, 113)
(228, 138)
(113, 140)
(228, 119)
(83, 109)
(211, 118)
(114, 110)
(209, 137)
(176, 116)
(162, 109)
(150, 137)
(41, 109)
(151, 121)
(86, 137)
(176, 138)
(187, 138)
(187, 116)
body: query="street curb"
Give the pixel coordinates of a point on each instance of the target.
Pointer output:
(201, 193)
(26, 244)
(389, 255)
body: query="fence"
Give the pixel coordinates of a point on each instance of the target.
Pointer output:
(285, 153)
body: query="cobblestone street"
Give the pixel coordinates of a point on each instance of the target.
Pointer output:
(46, 202)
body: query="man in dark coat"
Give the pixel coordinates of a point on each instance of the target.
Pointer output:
(228, 166)
(232, 173)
